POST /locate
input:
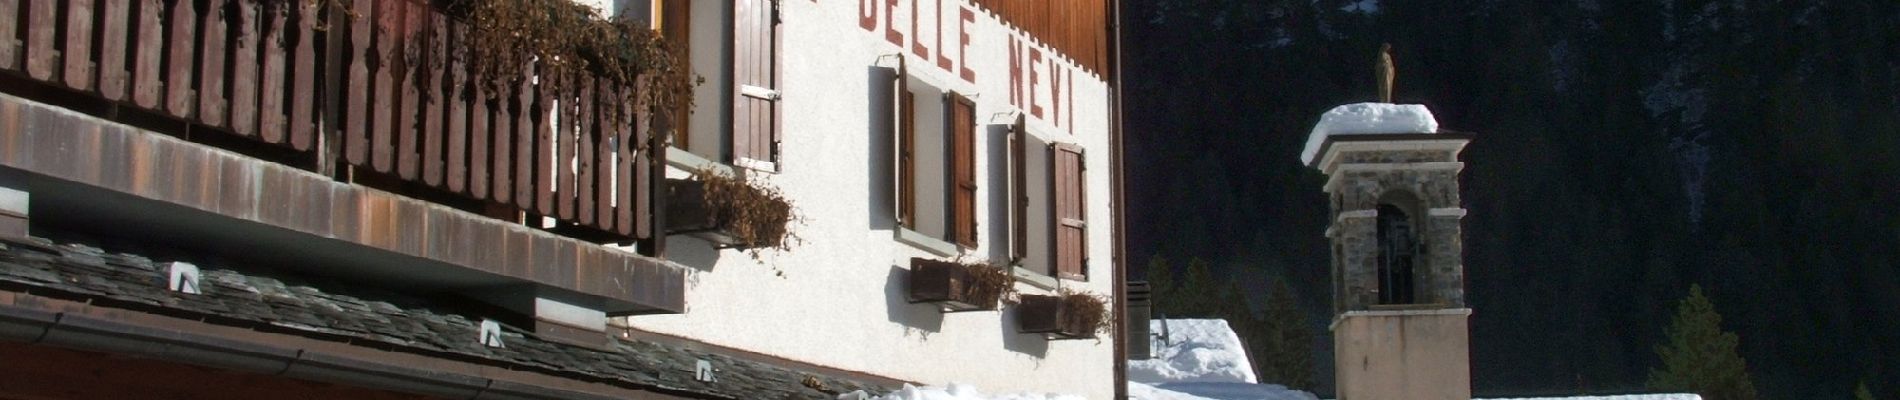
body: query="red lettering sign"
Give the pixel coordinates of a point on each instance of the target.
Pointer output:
(1055, 94)
(916, 46)
(942, 62)
(890, 24)
(1035, 57)
(964, 19)
(1015, 74)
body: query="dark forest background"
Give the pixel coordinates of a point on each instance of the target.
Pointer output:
(1625, 150)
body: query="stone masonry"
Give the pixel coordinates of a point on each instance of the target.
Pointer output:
(1424, 183)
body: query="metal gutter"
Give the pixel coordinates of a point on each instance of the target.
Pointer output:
(1119, 203)
(90, 333)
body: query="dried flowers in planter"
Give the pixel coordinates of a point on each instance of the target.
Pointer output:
(1069, 314)
(731, 212)
(959, 285)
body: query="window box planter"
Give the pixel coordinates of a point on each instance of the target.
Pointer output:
(726, 211)
(1064, 316)
(957, 287)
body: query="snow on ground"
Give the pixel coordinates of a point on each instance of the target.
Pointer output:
(1213, 391)
(954, 391)
(1671, 396)
(1199, 359)
(1368, 118)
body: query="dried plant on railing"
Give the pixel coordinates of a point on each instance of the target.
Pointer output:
(754, 213)
(561, 37)
(273, 8)
(1084, 312)
(555, 38)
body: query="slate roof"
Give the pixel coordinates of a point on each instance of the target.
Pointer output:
(383, 320)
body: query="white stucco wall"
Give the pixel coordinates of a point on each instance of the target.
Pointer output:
(838, 299)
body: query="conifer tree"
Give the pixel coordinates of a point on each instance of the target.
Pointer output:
(1160, 285)
(1699, 357)
(1198, 295)
(1285, 350)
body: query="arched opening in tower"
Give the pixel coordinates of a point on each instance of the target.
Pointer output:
(1398, 249)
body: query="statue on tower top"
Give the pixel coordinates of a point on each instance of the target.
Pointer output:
(1384, 72)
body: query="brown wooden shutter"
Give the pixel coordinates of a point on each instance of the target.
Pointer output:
(755, 71)
(1071, 224)
(963, 170)
(906, 125)
(1019, 190)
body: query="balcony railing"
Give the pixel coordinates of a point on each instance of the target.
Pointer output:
(388, 90)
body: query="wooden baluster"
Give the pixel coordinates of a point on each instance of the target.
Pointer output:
(9, 29)
(584, 146)
(270, 104)
(522, 163)
(409, 49)
(179, 42)
(211, 59)
(303, 83)
(42, 59)
(244, 66)
(382, 140)
(638, 186)
(458, 99)
(565, 135)
(77, 49)
(147, 78)
(530, 125)
(360, 117)
(605, 126)
(432, 101)
(479, 132)
(113, 78)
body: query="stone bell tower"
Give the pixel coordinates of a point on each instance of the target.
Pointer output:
(1400, 330)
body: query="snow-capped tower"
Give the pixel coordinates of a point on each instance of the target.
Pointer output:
(1401, 327)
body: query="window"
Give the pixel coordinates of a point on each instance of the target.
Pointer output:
(1049, 225)
(936, 182)
(734, 46)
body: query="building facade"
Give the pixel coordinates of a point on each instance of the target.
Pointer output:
(941, 130)
(330, 198)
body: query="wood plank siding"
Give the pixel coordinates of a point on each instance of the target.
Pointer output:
(1076, 28)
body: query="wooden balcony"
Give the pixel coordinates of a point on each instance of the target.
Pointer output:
(386, 99)
(367, 146)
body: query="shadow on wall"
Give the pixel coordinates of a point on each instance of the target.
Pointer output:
(1031, 344)
(998, 151)
(882, 83)
(692, 253)
(922, 318)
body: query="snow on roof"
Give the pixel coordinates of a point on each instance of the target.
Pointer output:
(1368, 119)
(1199, 359)
(1195, 350)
